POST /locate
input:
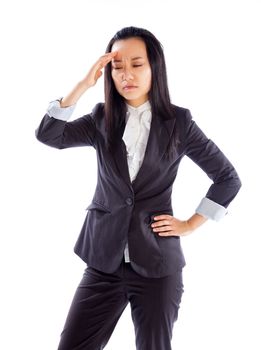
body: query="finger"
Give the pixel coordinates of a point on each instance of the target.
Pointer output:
(170, 233)
(160, 223)
(104, 61)
(162, 228)
(112, 53)
(98, 74)
(96, 67)
(163, 216)
(108, 57)
(166, 233)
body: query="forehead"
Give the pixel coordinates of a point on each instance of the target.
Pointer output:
(131, 48)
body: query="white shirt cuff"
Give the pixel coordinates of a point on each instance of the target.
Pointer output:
(211, 210)
(54, 110)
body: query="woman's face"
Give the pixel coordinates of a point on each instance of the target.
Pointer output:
(131, 70)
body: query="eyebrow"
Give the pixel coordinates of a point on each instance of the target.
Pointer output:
(133, 59)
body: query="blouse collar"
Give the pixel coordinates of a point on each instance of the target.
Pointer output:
(140, 109)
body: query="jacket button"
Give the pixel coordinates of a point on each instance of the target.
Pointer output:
(129, 201)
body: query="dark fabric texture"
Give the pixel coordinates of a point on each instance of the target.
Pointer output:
(122, 210)
(101, 298)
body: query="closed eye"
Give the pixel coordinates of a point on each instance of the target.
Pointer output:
(135, 65)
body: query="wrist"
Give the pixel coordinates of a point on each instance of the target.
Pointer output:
(189, 226)
(195, 221)
(73, 97)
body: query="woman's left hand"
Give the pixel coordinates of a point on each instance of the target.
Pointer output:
(167, 225)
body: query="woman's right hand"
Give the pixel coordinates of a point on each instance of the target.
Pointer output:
(89, 80)
(96, 70)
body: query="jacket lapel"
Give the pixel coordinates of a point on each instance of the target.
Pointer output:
(159, 137)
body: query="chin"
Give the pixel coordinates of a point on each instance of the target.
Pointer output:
(132, 96)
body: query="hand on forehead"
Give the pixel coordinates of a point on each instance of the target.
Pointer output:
(129, 49)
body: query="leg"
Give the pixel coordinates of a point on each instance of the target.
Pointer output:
(96, 308)
(154, 306)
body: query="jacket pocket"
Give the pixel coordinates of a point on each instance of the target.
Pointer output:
(98, 206)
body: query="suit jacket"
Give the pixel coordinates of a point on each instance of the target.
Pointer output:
(122, 211)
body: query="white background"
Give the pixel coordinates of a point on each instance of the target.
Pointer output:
(212, 50)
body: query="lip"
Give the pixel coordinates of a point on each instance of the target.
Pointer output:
(129, 87)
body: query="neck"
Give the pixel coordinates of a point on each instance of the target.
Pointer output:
(137, 103)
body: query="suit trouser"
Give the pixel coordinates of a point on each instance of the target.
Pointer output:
(101, 298)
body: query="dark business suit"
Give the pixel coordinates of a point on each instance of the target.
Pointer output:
(122, 211)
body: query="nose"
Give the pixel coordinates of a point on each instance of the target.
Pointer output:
(127, 74)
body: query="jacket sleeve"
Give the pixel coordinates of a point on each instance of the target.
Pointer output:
(63, 134)
(205, 153)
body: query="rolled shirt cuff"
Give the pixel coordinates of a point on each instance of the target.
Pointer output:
(211, 210)
(54, 110)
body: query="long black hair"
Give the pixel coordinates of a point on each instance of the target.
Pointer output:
(159, 98)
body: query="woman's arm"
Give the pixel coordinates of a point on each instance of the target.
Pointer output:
(206, 154)
(55, 130)
(88, 81)
(214, 163)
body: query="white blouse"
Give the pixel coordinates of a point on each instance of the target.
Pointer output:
(135, 137)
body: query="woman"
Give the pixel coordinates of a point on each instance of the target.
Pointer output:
(130, 239)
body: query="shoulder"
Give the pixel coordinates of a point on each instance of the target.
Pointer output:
(180, 112)
(182, 116)
(98, 110)
(96, 116)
